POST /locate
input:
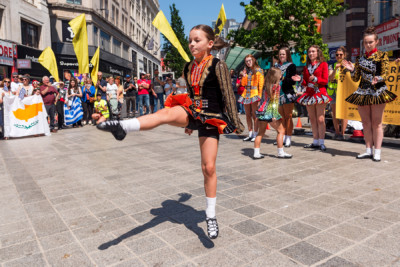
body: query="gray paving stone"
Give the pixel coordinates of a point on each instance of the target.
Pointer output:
(275, 239)
(329, 242)
(298, 229)
(364, 256)
(337, 261)
(163, 257)
(250, 211)
(109, 215)
(112, 255)
(18, 251)
(248, 249)
(17, 237)
(305, 253)
(275, 259)
(384, 243)
(48, 225)
(351, 232)
(131, 263)
(69, 255)
(35, 260)
(145, 244)
(56, 240)
(218, 257)
(250, 227)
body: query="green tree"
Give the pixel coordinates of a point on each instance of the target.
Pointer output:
(278, 22)
(172, 58)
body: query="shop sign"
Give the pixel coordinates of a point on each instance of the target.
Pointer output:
(355, 52)
(67, 33)
(24, 64)
(388, 34)
(6, 53)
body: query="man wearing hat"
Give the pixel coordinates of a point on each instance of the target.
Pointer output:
(15, 84)
(143, 93)
(130, 96)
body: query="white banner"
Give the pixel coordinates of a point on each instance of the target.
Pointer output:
(24, 117)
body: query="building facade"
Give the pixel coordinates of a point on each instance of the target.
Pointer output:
(24, 30)
(230, 25)
(128, 41)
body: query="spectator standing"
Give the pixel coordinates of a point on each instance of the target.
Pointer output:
(67, 78)
(112, 90)
(101, 86)
(7, 81)
(130, 96)
(88, 92)
(169, 87)
(143, 93)
(25, 89)
(120, 94)
(151, 92)
(14, 83)
(74, 90)
(240, 90)
(181, 85)
(62, 97)
(158, 87)
(49, 94)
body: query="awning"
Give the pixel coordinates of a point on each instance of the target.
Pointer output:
(236, 56)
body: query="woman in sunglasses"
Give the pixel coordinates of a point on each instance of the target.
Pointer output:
(25, 89)
(334, 72)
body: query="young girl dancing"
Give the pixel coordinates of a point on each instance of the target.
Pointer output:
(315, 98)
(372, 94)
(253, 80)
(287, 94)
(267, 112)
(209, 107)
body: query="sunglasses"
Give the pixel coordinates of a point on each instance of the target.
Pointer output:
(339, 55)
(7, 81)
(15, 76)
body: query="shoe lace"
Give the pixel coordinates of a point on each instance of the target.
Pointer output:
(212, 226)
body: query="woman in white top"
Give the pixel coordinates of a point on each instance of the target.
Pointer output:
(169, 87)
(112, 93)
(25, 89)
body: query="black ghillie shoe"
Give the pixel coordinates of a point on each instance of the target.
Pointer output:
(113, 127)
(311, 146)
(258, 157)
(364, 156)
(212, 228)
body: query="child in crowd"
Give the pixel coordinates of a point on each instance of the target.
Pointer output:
(101, 112)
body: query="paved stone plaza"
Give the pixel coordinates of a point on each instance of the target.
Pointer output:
(80, 198)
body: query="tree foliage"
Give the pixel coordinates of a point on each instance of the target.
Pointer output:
(277, 22)
(173, 59)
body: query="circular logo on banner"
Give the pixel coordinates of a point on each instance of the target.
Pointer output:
(332, 54)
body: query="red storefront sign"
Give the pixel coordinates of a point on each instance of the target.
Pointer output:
(388, 34)
(24, 64)
(6, 53)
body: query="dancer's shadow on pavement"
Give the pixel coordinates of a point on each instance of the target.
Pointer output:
(173, 211)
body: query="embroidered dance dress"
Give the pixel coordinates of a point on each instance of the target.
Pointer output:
(315, 91)
(210, 102)
(268, 107)
(287, 92)
(368, 66)
(254, 84)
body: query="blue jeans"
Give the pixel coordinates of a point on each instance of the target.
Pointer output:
(159, 98)
(144, 99)
(239, 106)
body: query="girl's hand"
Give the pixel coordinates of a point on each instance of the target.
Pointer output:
(311, 79)
(374, 81)
(348, 65)
(188, 131)
(244, 71)
(397, 61)
(296, 78)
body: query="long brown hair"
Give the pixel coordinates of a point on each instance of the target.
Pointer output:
(75, 88)
(320, 57)
(272, 77)
(255, 64)
(287, 52)
(218, 42)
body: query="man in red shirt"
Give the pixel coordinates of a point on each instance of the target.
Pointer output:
(49, 94)
(143, 93)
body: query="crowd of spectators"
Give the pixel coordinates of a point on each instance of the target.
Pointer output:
(111, 97)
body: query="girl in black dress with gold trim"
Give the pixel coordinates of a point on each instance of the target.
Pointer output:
(371, 69)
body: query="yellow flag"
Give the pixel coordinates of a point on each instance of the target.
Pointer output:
(95, 62)
(219, 24)
(161, 23)
(48, 60)
(80, 42)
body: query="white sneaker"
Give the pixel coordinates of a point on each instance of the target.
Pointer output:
(253, 139)
(284, 156)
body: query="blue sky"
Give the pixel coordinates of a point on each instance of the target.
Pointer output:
(202, 11)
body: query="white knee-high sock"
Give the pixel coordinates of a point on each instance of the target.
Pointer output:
(130, 125)
(256, 152)
(284, 139)
(288, 140)
(210, 206)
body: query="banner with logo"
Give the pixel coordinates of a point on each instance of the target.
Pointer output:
(24, 117)
(346, 87)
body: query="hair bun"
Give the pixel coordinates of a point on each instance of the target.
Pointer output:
(219, 43)
(370, 30)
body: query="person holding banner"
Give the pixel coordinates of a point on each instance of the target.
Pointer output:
(74, 91)
(315, 98)
(334, 72)
(49, 94)
(209, 107)
(371, 69)
(287, 93)
(253, 80)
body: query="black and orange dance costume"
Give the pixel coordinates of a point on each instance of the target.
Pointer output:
(210, 102)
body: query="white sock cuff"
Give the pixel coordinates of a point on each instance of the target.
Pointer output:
(369, 150)
(321, 141)
(210, 206)
(377, 152)
(130, 125)
(315, 141)
(256, 151)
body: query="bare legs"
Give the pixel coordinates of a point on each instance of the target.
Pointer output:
(336, 122)
(251, 119)
(175, 116)
(316, 114)
(277, 125)
(371, 118)
(286, 111)
(209, 149)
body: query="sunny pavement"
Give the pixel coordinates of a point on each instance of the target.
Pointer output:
(80, 198)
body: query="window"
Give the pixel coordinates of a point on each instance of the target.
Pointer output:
(145, 64)
(116, 47)
(95, 35)
(116, 18)
(75, 2)
(134, 63)
(125, 51)
(29, 34)
(113, 14)
(385, 11)
(105, 41)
